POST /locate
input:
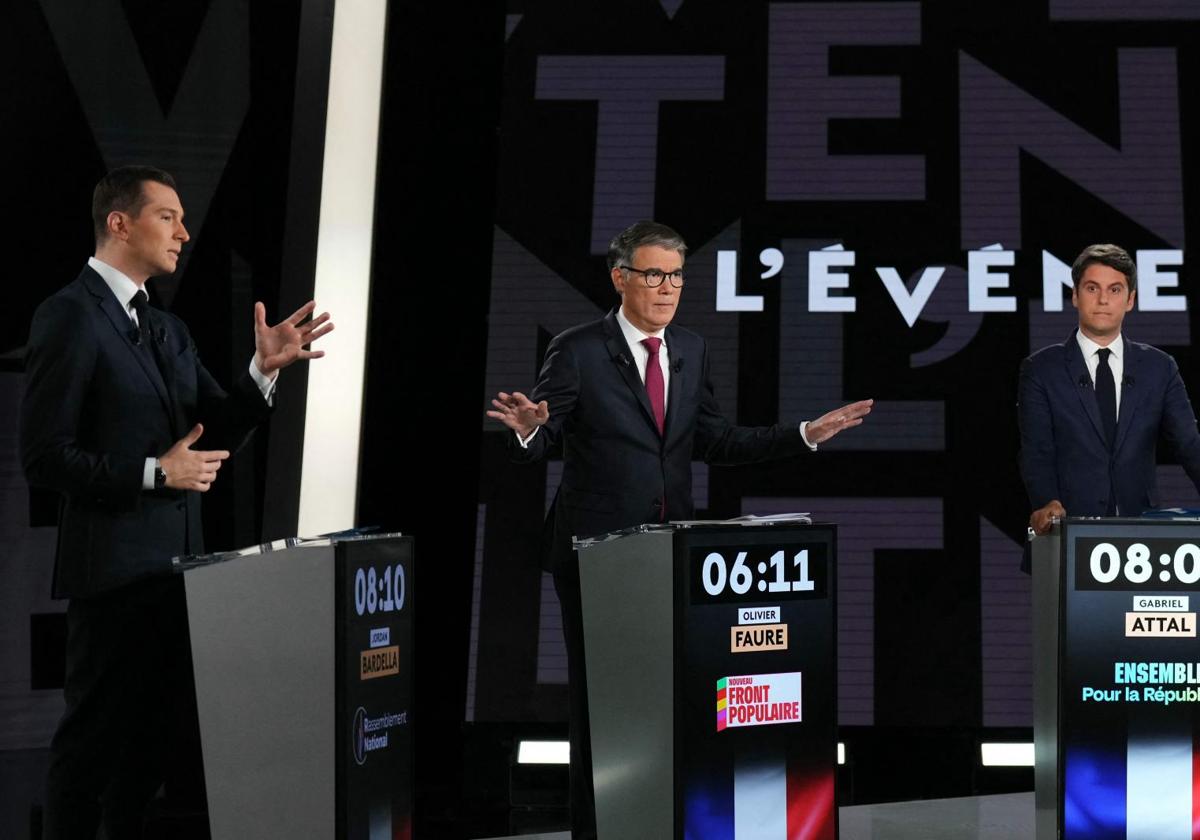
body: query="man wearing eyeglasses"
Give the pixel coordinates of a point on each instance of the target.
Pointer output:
(630, 400)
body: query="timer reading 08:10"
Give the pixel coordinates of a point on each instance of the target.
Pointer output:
(379, 592)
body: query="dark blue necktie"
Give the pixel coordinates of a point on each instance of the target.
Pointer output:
(141, 305)
(151, 343)
(1106, 396)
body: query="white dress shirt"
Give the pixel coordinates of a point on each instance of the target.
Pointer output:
(124, 289)
(641, 354)
(1116, 361)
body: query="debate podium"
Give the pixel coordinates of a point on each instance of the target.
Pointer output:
(1116, 679)
(710, 656)
(302, 660)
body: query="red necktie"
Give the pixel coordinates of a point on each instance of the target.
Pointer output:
(654, 383)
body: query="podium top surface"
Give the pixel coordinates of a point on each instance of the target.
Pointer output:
(785, 520)
(194, 561)
(1169, 515)
(1165, 518)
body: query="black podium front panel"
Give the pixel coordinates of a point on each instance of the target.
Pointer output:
(375, 688)
(1130, 681)
(757, 730)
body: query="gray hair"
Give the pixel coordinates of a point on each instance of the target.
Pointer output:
(639, 235)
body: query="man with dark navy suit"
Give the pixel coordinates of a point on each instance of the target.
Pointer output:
(1092, 409)
(629, 400)
(116, 407)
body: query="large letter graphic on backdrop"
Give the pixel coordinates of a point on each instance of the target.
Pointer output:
(1142, 178)
(811, 370)
(627, 91)
(802, 98)
(1052, 319)
(194, 138)
(1006, 639)
(1168, 10)
(865, 525)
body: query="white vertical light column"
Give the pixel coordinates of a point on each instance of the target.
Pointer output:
(333, 414)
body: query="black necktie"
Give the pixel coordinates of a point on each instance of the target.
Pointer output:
(148, 341)
(1106, 395)
(141, 305)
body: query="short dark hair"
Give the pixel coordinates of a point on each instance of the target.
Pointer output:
(121, 190)
(639, 235)
(1113, 256)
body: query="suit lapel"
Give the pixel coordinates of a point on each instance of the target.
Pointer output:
(622, 356)
(1078, 373)
(675, 388)
(122, 327)
(1129, 394)
(159, 349)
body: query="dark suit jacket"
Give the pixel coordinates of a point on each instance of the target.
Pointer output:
(95, 407)
(1064, 454)
(617, 470)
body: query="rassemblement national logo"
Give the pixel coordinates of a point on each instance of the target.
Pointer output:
(758, 700)
(371, 733)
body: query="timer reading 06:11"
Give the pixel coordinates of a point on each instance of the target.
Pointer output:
(715, 574)
(373, 591)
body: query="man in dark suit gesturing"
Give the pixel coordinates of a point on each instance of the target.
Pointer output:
(629, 399)
(1092, 408)
(116, 402)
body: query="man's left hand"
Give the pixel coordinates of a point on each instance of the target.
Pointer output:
(277, 347)
(828, 425)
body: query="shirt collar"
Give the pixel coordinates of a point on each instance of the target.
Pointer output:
(1090, 348)
(121, 286)
(634, 336)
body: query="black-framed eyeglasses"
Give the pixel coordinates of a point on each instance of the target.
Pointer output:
(654, 276)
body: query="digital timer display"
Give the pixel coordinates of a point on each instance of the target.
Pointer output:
(376, 591)
(754, 572)
(1155, 564)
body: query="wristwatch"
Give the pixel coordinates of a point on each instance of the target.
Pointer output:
(160, 477)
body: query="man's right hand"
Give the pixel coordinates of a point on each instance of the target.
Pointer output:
(518, 413)
(191, 469)
(1040, 519)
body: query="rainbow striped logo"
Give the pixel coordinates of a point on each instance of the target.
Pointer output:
(722, 702)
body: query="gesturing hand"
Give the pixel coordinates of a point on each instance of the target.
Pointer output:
(518, 413)
(277, 347)
(1040, 519)
(828, 425)
(191, 469)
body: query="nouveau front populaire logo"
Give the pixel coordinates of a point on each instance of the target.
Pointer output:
(758, 700)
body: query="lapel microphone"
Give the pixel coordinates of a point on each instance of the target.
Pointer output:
(1128, 380)
(623, 360)
(1084, 381)
(160, 337)
(677, 366)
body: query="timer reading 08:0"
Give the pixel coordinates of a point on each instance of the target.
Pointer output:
(379, 592)
(1181, 566)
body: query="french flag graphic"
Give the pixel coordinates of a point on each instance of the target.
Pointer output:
(767, 798)
(1139, 785)
(762, 795)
